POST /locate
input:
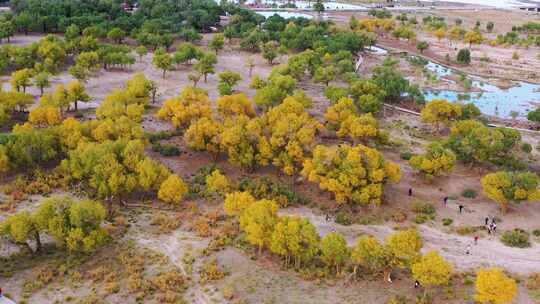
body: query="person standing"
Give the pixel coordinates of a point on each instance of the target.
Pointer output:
(445, 200)
(476, 239)
(487, 220)
(410, 191)
(460, 208)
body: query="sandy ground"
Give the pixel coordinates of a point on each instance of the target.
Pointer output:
(489, 250)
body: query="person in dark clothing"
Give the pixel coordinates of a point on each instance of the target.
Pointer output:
(445, 200)
(416, 284)
(327, 217)
(487, 221)
(410, 191)
(460, 208)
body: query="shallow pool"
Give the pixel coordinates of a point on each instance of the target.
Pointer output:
(493, 100)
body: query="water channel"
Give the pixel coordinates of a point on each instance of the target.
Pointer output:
(492, 100)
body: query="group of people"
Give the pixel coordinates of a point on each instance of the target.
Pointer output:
(490, 226)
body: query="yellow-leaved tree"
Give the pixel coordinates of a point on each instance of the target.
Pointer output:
(258, 221)
(334, 250)
(504, 187)
(440, 111)
(432, 270)
(354, 174)
(235, 105)
(45, 116)
(292, 134)
(371, 255)
(151, 174)
(436, 161)
(244, 142)
(217, 182)
(294, 238)
(344, 118)
(203, 135)
(493, 286)
(404, 246)
(191, 105)
(172, 190)
(236, 202)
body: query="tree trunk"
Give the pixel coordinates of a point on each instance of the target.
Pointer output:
(205, 77)
(76, 106)
(38, 241)
(41, 90)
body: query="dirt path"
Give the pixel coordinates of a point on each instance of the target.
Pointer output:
(488, 252)
(175, 246)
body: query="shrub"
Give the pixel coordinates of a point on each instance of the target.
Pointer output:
(398, 300)
(166, 150)
(399, 216)
(169, 281)
(165, 222)
(533, 281)
(516, 238)
(423, 208)
(526, 148)
(536, 232)
(464, 56)
(447, 221)
(466, 230)
(270, 188)
(406, 155)
(469, 193)
(515, 56)
(211, 272)
(422, 218)
(344, 218)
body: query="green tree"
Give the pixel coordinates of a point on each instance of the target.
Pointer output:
(227, 81)
(163, 62)
(76, 92)
(504, 187)
(116, 34)
(422, 46)
(41, 80)
(534, 115)
(217, 42)
(142, 51)
(489, 26)
(464, 56)
(270, 51)
(75, 225)
(473, 142)
(205, 65)
(334, 250)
